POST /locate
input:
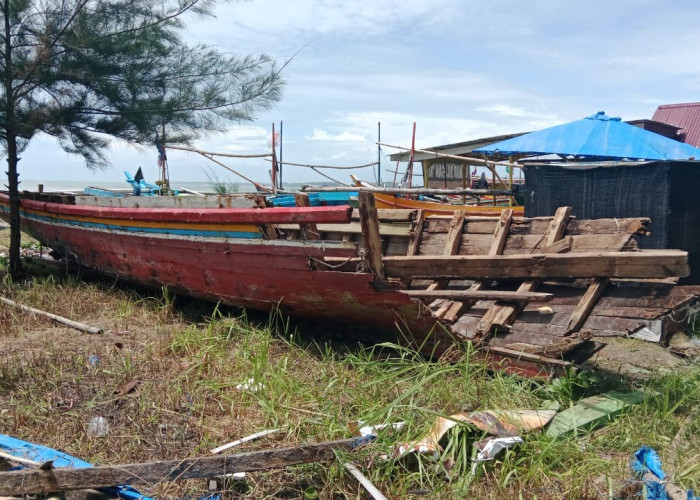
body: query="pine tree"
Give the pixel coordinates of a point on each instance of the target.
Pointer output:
(85, 71)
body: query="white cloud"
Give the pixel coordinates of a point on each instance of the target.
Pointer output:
(322, 135)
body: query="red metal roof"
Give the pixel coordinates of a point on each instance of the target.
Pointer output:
(686, 116)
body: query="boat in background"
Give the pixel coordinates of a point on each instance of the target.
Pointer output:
(435, 207)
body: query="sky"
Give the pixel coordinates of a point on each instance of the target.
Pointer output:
(459, 69)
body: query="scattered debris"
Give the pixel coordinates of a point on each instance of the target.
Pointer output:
(646, 466)
(250, 385)
(593, 411)
(505, 425)
(238, 442)
(98, 427)
(490, 447)
(366, 484)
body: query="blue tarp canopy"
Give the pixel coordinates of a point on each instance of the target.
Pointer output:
(598, 136)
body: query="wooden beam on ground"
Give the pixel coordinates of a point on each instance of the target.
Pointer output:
(30, 481)
(308, 230)
(586, 305)
(370, 232)
(480, 295)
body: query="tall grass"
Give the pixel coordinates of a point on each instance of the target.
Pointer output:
(208, 375)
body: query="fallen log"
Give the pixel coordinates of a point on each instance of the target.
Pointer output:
(29, 481)
(642, 264)
(58, 319)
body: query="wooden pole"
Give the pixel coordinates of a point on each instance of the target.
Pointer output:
(59, 319)
(379, 154)
(280, 163)
(274, 162)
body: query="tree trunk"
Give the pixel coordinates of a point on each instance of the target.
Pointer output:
(12, 160)
(16, 271)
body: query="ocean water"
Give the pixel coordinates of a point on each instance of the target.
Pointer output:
(199, 186)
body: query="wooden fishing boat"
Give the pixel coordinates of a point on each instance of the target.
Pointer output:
(482, 207)
(442, 280)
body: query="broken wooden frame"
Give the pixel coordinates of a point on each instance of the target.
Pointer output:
(463, 268)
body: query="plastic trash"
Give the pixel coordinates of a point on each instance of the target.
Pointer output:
(98, 427)
(646, 465)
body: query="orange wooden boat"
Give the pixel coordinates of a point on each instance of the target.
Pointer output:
(386, 200)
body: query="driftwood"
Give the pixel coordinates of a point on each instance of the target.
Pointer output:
(29, 481)
(59, 319)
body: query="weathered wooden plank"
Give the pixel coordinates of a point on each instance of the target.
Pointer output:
(200, 215)
(478, 244)
(309, 230)
(565, 245)
(389, 214)
(400, 229)
(500, 236)
(538, 225)
(480, 295)
(417, 234)
(454, 237)
(29, 481)
(370, 233)
(503, 315)
(643, 264)
(585, 306)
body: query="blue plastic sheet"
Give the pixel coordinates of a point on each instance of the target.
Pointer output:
(596, 136)
(645, 460)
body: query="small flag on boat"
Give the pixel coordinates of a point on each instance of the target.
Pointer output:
(139, 175)
(161, 152)
(474, 171)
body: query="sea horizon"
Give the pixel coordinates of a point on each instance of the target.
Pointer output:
(78, 186)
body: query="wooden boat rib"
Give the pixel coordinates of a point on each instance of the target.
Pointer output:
(378, 268)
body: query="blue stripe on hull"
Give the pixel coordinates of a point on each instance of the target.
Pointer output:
(133, 229)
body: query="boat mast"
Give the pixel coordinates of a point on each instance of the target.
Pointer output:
(379, 154)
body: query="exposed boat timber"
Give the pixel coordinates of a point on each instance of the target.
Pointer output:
(483, 206)
(443, 280)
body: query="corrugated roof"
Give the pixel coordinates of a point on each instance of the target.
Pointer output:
(686, 116)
